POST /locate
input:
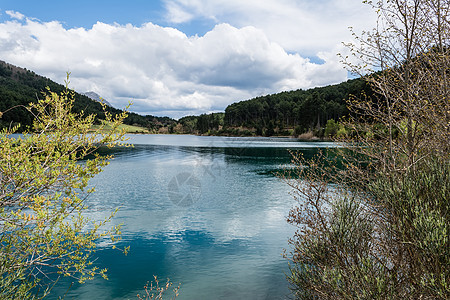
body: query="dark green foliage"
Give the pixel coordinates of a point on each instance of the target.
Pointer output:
(205, 123)
(389, 242)
(19, 87)
(189, 123)
(270, 129)
(308, 109)
(298, 130)
(416, 204)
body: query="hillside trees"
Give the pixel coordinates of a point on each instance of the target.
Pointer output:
(44, 175)
(304, 108)
(381, 232)
(18, 87)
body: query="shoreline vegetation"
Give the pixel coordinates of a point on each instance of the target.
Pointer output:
(331, 129)
(328, 133)
(307, 136)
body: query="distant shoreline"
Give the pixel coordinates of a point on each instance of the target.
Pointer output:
(301, 137)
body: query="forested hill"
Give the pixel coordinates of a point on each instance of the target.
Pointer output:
(304, 110)
(20, 86)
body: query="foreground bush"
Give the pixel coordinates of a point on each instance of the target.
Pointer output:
(388, 242)
(43, 232)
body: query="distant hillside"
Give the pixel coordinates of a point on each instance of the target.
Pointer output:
(19, 86)
(96, 97)
(304, 110)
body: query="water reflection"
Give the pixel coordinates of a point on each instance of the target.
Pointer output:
(225, 245)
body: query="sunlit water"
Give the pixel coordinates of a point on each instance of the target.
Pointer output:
(206, 212)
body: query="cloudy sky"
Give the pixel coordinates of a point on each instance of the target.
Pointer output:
(181, 57)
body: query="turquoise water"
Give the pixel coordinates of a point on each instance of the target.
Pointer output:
(206, 212)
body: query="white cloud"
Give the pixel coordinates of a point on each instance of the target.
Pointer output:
(303, 26)
(160, 69)
(177, 13)
(15, 15)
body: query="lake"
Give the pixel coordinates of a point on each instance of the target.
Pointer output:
(206, 212)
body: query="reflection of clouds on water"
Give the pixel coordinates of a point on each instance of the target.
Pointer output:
(234, 204)
(238, 228)
(186, 257)
(184, 189)
(202, 249)
(221, 225)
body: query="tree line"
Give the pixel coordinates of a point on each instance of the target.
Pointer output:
(299, 111)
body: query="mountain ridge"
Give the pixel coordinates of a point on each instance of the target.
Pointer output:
(96, 97)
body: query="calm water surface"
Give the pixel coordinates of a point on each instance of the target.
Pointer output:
(206, 212)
